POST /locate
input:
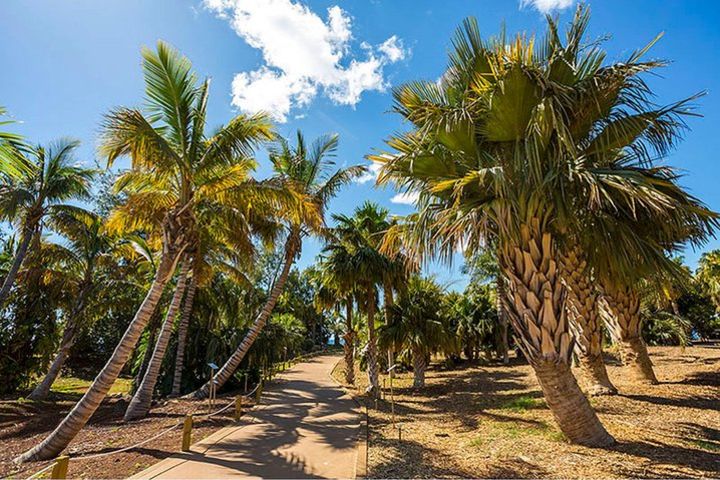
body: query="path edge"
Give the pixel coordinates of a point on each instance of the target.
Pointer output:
(363, 434)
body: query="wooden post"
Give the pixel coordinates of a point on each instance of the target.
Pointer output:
(60, 468)
(238, 407)
(258, 392)
(187, 433)
(246, 379)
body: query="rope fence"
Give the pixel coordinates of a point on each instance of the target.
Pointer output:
(59, 465)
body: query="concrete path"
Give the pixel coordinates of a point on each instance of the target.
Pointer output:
(305, 427)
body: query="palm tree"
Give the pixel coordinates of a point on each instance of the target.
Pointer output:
(708, 274)
(175, 168)
(354, 255)
(39, 187)
(416, 328)
(311, 172)
(87, 246)
(186, 311)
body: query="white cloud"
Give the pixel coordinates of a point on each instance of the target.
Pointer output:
(371, 174)
(303, 56)
(547, 6)
(408, 198)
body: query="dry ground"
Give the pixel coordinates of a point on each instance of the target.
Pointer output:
(491, 421)
(24, 423)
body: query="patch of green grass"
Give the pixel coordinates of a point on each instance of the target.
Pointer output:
(706, 445)
(513, 430)
(521, 404)
(80, 385)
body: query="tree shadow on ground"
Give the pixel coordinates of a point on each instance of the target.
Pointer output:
(663, 453)
(702, 403)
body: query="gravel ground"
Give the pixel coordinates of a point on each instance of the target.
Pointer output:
(490, 421)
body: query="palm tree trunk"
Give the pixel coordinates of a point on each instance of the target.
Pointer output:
(502, 318)
(83, 410)
(624, 305)
(153, 327)
(182, 336)
(536, 301)
(389, 301)
(141, 401)
(349, 346)
(20, 255)
(223, 375)
(583, 309)
(419, 366)
(372, 360)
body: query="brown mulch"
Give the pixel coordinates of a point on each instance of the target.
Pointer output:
(490, 421)
(25, 423)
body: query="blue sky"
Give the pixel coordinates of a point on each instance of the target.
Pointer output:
(322, 66)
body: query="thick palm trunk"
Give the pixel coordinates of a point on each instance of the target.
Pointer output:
(419, 367)
(83, 410)
(349, 346)
(228, 369)
(583, 308)
(389, 302)
(536, 301)
(42, 390)
(502, 319)
(372, 360)
(182, 335)
(624, 306)
(142, 400)
(20, 255)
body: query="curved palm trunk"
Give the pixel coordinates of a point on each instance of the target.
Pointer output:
(43, 388)
(582, 302)
(502, 319)
(419, 367)
(83, 410)
(141, 401)
(20, 255)
(372, 360)
(624, 305)
(223, 375)
(536, 301)
(153, 327)
(182, 336)
(349, 346)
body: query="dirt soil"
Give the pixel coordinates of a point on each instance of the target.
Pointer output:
(25, 423)
(490, 421)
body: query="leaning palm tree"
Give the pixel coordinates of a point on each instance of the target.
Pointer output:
(35, 188)
(534, 143)
(416, 329)
(167, 146)
(311, 171)
(87, 247)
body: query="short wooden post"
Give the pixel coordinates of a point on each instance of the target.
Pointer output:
(238, 407)
(60, 468)
(187, 433)
(258, 392)
(246, 380)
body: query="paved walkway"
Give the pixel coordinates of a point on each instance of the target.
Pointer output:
(306, 427)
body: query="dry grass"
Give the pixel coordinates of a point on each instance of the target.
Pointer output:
(491, 421)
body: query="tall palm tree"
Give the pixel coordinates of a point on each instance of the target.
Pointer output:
(47, 178)
(311, 171)
(88, 245)
(708, 273)
(168, 148)
(416, 328)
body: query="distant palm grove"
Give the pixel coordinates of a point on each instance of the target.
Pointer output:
(539, 160)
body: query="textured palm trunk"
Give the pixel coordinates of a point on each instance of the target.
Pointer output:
(153, 327)
(292, 246)
(142, 400)
(372, 360)
(349, 346)
(20, 255)
(624, 306)
(174, 242)
(182, 335)
(583, 309)
(502, 319)
(536, 301)
(419, 367)
(389, 302)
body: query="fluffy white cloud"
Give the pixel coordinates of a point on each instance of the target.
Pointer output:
(408, 198)
(547, 6)
(303, 55)
(371, 174)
